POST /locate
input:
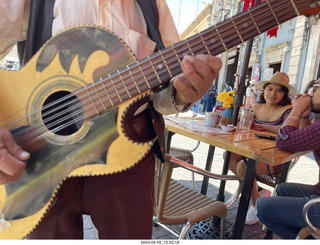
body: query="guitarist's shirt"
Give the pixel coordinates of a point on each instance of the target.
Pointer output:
(123, 17)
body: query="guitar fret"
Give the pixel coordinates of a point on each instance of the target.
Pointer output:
(204, 43)
(237, 30)
(295, 7)
(254, 22)
(154, 70)
(133, 79)
(124, 85)
(105, 88)
(104, 108)
(274, 15)
(143, 75)
(189, 47)
(165, 63)
(221, 39)
(174, 50)
(92, 101)
(115, 88)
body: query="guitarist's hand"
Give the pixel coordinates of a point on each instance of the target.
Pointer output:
(12, 158)
(198, 75)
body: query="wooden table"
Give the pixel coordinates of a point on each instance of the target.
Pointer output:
(245, 144)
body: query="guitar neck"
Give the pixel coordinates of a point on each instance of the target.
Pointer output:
(154, 70)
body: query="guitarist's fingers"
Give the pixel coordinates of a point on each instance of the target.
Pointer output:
(5, 178)
(11, 158)
(211, 62)
(198, 75)
(7, 142)
(9, 164)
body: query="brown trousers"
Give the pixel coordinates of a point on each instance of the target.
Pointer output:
(120, 205)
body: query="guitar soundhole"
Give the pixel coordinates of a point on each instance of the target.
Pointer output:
(62, 113)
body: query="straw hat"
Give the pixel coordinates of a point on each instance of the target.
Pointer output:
(278, 78)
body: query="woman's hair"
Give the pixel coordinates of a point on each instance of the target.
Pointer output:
(285, 100)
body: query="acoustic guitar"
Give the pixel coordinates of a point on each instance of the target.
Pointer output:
(69, 105)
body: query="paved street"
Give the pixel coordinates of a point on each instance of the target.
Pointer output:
(305, 171)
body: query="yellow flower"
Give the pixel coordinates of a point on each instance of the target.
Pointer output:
(227, 98)
(222, 96)
(227, 103)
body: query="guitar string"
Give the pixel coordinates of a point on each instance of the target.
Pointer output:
(121, 84)
(98, 95)
(93, 98)
(133, 85)
(64, 119)
(111, 91)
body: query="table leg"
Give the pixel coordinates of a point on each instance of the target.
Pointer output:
(244, 199)
(220, 196)
(205, 182)
(285, 171)
(168, 136)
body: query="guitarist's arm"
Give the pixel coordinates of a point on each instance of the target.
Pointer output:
(12, 158)
(187, 88)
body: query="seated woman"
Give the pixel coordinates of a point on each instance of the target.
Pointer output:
(270, 112)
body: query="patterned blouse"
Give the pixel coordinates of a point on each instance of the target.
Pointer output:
(280, 121)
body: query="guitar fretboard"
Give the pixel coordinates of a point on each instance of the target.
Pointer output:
(158, 68)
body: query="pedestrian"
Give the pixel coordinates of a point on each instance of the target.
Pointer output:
(227, 87)
(210, 99)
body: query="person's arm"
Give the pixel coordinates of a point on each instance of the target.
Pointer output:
(293, 139)
(198, 72)
(268, 127)
(12, 158)
(14, 15)
(301, 108)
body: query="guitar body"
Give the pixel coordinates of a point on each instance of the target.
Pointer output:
(76, 106)
(90, 146)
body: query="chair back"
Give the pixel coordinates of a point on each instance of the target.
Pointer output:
(274, 180)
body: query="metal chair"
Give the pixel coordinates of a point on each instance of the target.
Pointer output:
(274, 180)
(310, 228)
(186, 156)
(177, 204)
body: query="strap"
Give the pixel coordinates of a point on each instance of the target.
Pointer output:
(151, 16)
(39, 29)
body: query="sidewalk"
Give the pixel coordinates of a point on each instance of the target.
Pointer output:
(303, 172)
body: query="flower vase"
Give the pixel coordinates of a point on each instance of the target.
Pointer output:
(227, 116)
